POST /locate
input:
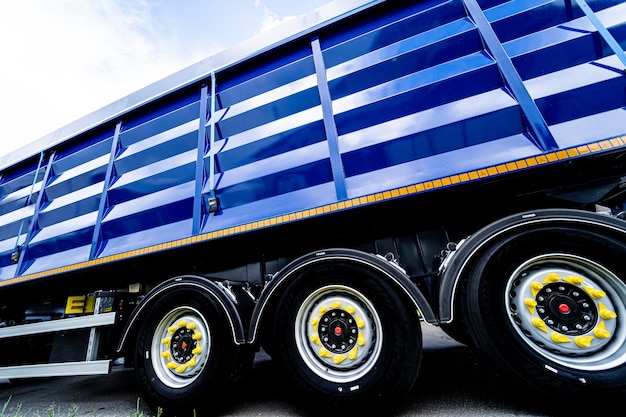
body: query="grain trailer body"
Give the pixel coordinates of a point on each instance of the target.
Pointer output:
(321, 191)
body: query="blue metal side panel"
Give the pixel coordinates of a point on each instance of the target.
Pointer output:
(67, 210)
(96, 238)
(16, 202)
(271, 143)
(18, 197)
(394, 132)
(153, 185)
(403, 99)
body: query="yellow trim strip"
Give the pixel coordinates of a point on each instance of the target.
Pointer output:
(455, 179)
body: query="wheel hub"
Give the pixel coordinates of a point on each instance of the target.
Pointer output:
(566, 308)
(338, 331)
(182, 345)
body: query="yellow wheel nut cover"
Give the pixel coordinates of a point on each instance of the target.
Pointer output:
(314, 322)
(551, 278)
(197, 350)
(535, 287)
(359, 322)
(574, 279)
(353, 353)
(605, 313)
(559, 338)
(601, 332)
(595, 293)
(530, 304)
(196, 335)
(182, 323)
(336, 304)
(339, 358)
(325, 353)
(583, 341)
(192, 362)
(349, 309)
(191, 326)
(538, 323)
(361, 339)
(316, 339)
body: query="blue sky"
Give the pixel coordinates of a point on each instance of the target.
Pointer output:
(63, 59)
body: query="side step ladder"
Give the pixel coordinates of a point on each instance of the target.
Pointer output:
(90, 366)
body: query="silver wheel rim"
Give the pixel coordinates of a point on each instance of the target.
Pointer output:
(568, 309)
(338, 333)
(180, 347)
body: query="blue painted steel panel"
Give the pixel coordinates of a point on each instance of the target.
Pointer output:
(301, 101)
(438, 166)
(262, 187)
(301, 199)
(57, 259)
(10, 189)
(22, 249)
(12, 220)
(159, 126)
(133, 221)
(128, 242)
(565, 45)
(391, 27)
(420, 52)
(64, 234)
(276, 144)
(430, 88)
(96, 238)
(407, 94)
(606, 35)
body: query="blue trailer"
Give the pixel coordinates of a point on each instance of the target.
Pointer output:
(321, 192)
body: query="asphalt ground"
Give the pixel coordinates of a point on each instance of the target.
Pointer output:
(453, 381)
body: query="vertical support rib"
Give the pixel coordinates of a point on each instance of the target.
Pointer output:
(211, 202)
(330, 127)
(21, 265)
(16, 252)
(97, 230)
(213, 122)
(537, 124)
(197, 200)
(602, 30)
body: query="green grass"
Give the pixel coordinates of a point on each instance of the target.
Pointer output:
(16, 411)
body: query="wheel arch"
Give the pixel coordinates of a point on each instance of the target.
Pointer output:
(460, 262)
(187, 282)
(272, 292)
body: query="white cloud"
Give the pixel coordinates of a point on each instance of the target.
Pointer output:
(64, 59)
(271, 19)
(67, 58)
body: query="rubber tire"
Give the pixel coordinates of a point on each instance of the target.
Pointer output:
(494, 335)
(206, 394)
(393, 375)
